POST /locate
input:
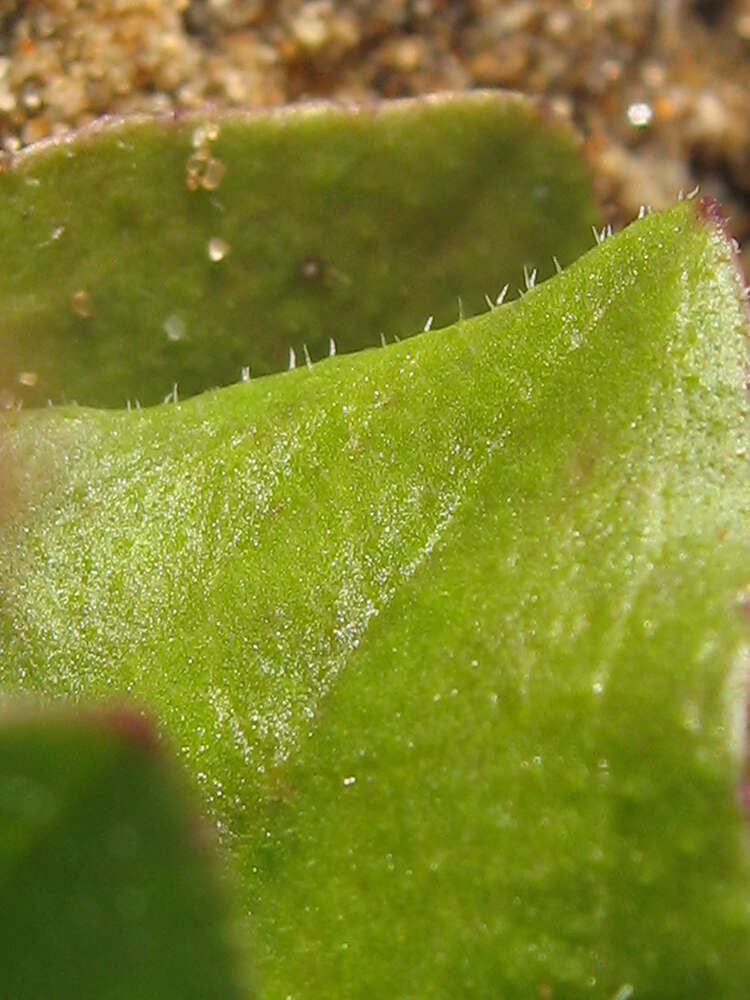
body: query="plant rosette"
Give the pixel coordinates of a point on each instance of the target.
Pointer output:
(448, 634)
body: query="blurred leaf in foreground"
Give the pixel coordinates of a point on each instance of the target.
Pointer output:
(107, 891)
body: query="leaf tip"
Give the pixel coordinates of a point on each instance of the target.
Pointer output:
(710, 211)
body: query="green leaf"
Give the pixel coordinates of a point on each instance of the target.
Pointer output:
(449, 633)
(330, 221)
(105, 883)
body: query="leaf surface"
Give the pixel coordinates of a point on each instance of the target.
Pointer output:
(449, 633)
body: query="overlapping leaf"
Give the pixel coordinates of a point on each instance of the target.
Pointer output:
(105, 884)
(143, 254)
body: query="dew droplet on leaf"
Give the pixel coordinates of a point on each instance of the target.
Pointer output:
(194, 168)
(213, 174)
(217, 249)
(81, 303)
(174, 327)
